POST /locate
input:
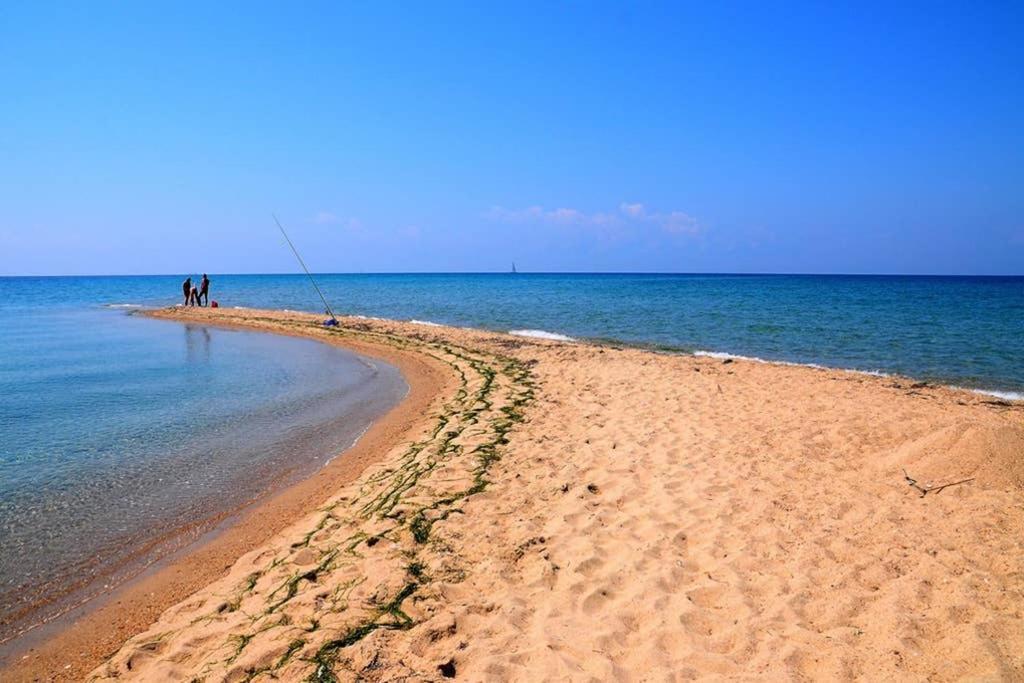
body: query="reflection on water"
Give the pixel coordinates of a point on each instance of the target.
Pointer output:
(197, 343)
(118, 430)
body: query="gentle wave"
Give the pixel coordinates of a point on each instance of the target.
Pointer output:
(354, 441)
(541, 334)
(754, 359)
(122, 305)
(1005, 395)
(722, 355)
(426, 322)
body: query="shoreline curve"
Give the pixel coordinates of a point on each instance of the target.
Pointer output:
(650, 513)
(93, 630)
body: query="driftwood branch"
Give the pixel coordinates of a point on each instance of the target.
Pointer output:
(925, 490)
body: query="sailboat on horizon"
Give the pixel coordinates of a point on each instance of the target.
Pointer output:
(514, 271)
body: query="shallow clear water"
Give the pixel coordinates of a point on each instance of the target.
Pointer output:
(119, 431)
(964, 331)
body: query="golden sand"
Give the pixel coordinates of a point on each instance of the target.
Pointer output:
(574, 512)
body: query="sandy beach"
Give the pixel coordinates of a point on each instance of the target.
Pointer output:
(555, 510)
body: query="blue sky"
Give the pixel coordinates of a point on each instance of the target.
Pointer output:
(564, 136)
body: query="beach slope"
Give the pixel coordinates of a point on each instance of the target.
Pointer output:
(573, 511)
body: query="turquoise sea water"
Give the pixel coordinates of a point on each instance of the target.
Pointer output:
(120, 432)
(117, 429)
(957, 330)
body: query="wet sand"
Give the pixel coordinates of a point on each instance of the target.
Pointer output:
(571, 511)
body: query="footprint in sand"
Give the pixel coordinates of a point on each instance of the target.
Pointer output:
(597, 600)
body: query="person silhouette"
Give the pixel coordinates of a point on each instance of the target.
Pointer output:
(186, 289)
(204, 291)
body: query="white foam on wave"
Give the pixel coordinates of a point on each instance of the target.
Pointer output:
(426, 322)
(1005, 395)
(542, 334)
(124, 305)
(351, 445)
(721, 355)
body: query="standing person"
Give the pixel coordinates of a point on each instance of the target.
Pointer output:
(194, 299)
(186, 289)
(204, 291)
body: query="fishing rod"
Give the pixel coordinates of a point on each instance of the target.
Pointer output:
(333, 320)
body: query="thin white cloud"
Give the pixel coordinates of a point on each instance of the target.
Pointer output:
(678, 223)
(567, 216)
(629, 215)
(329, 218)
(535, 214)
(634, 210)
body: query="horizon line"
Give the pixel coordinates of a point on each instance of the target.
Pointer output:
(536, 272)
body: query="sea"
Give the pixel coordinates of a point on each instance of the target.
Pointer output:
(116, 429)
(125, 439)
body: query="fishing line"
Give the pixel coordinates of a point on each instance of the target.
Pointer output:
(303, 264)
